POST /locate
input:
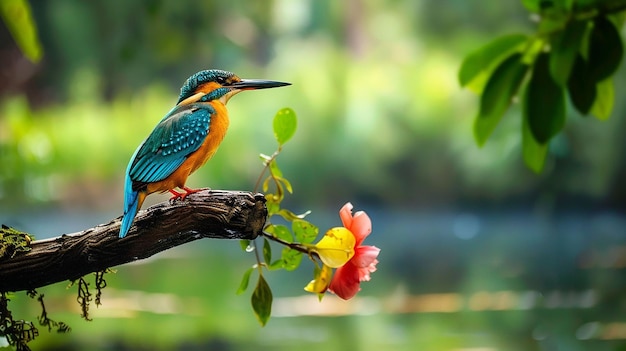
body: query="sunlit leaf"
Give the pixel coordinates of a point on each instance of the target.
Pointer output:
(544, 102)
(245, 243)
(551, 24)
(18, 18)
(321, 280)
(291, 259)
(532, 49)
(603, 105)
(274, 169)
(532, 5)
(276, 197)
(267, 251)
(284, 183)
(565, 46)
(245, 280)
(496, 98)
(605, 49)
(279, 231)
(266, 184)
(336, 248)
(533, 152)
(476, 66)
(551, 6)
(290, 216)
(304, 231)
(277, 264)
(272, 204)
(285, 123)
(581, 86)
(262, 301)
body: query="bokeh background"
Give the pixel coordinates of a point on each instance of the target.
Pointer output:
(478, 252)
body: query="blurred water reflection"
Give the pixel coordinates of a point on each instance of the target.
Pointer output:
(466, 280)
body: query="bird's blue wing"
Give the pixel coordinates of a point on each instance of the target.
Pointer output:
(179, 134)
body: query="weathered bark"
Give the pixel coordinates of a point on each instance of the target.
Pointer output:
(206, 214)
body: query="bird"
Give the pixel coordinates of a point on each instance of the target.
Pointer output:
(184, 140)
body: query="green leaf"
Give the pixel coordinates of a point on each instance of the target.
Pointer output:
(262, 301)
(476, 66)
(291, 259)
(565, 5)
(581, 86)
(266, 184)
(245, 280)
(603, 105)
(533, 152)
(284, 183)
(304, 231)
(544, 102)
(267, 251)
(565, 47)
(272, 204)
(278, 264)
(532, 5)
(279, 231)
(18, 18)
(244, 244)
(290, 216)
(551, 24)
(552, 6)
(605, 49)
(285, 123)
(274, 169)
(496, 98)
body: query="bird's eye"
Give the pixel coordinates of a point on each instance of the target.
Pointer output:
(221, 80)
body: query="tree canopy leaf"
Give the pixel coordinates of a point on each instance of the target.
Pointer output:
(262, 301)
(18, 18)
(496, 98)
(534, 153)
(544, 102)
(581, 86)
(603, 105)
(477, 65)
(605, 49)
(565, 47)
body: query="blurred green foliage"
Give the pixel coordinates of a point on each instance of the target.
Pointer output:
(575, 51)
(16, 14)
(382, 115)
(382, 119)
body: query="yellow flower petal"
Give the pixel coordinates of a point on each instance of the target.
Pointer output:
(336, 247)
(320, 284)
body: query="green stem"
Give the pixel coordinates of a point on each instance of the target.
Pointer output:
(266, 166)
(304, 248)
(259, 265)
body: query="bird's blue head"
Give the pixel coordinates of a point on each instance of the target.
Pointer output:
(214, 84)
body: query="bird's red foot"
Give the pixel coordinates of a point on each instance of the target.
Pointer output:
(176, 195)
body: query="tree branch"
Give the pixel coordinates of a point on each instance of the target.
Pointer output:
(206, 214)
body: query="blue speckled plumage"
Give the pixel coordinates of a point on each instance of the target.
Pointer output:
(179, 134)
(184, 139)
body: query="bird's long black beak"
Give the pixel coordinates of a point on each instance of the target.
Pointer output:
(252, 84)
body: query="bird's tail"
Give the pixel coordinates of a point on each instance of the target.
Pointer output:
(132, 204)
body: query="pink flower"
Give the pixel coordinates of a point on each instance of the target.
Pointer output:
(347, 279)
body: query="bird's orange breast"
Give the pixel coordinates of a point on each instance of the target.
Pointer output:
(217, 130)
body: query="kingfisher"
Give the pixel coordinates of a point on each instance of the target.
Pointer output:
(184, 140)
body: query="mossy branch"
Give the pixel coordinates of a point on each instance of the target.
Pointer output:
(206, 214)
